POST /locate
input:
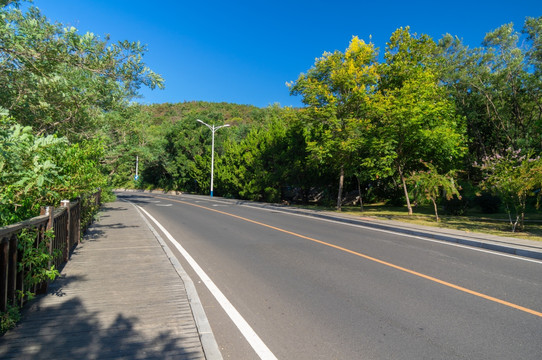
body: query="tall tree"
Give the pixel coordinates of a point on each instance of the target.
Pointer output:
(415, 118)
(59, 81)
(497, 88)
(337, 90)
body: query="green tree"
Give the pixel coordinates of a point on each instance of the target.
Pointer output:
(59, 81)
(415, 118)
(338, 90)
(255, 168)
(38, 170)
(431, 185)
(496, 87)
(513, 176)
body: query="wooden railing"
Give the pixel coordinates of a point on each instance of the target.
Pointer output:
(66, 224)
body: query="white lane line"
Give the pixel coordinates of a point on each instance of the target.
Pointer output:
(250, 335)
(443, 242)
(164, 204)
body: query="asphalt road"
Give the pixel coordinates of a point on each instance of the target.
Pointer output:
(314, 289)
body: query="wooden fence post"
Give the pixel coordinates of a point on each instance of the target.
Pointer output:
(4, 266)
(66, 204)
(12, 281)
(49, 211)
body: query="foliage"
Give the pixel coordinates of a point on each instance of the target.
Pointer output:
(513, 176)
(254, 168)
(415, 120)
(56, 80)
(38, 170)
(431, 185)
(35, 259)
(337, 90)
(28, 172)
(497, 88)
(9, 319)
(489, 204)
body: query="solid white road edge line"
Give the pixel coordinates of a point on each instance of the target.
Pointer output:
(250, 335)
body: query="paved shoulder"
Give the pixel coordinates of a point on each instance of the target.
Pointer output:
(118, 297)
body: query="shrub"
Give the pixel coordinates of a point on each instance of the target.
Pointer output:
(455, 206)
(488, 203)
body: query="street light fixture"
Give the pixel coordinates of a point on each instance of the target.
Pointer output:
(213, 130)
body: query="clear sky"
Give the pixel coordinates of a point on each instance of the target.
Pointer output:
(245, 51)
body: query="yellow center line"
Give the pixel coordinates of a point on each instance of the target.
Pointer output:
(412, 272)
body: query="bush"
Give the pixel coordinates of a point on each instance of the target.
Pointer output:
(9, 319)
(455, 206)
(488, 203)
(396, 197)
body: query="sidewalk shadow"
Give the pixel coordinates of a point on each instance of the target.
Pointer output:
(97, 230)
(105, 208)
(70, 331)
(141, 200)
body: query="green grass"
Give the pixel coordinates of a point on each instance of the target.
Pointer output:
(473, 221)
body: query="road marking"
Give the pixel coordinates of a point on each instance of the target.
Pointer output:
(397, 267)
(164, 204)
(253, 339)
(443, 242)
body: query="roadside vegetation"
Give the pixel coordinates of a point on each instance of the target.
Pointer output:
(434, 122)
(474, 220)
(62, 94)
(415, 122)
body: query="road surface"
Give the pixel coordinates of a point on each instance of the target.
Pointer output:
(315, 289)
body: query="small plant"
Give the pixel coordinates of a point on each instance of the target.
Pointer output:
(9, 319)
(430, 185)
(35, 262)
(35, 265)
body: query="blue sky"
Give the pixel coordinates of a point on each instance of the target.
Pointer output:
(245, 51)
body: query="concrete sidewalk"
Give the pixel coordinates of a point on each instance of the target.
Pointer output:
(122, 295)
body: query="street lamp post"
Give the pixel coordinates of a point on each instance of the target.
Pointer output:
(213, 130)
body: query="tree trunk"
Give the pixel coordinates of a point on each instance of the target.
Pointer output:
(359, 193)
(341, 182)
(405, 189)
(435, 206)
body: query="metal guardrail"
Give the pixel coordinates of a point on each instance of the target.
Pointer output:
(66, 222)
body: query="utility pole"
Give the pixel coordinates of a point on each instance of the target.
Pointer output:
(213, 130)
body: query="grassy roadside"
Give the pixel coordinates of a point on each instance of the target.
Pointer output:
(473, 221)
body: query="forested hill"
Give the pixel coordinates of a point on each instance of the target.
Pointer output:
(234, 114)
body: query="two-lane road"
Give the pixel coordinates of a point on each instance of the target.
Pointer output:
(314, 289)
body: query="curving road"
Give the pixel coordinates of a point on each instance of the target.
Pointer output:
(315, 289)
